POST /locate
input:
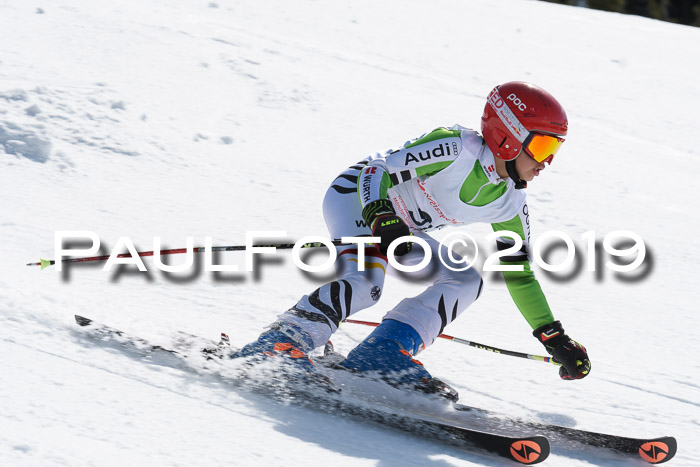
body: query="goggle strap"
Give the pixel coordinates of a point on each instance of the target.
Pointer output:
(514, 175)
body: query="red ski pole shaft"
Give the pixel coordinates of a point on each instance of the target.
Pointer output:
(473, 344)
(46, 262)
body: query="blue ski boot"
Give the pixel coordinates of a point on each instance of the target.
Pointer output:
(389, 351)
(281, 340)
(290, 344)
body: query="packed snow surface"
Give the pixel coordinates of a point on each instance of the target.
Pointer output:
(173, 119)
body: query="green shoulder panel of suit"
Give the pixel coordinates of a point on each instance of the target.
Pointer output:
(522, 285)
(438, 133)
(435, 135)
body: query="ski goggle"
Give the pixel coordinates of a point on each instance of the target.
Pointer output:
(542, 147)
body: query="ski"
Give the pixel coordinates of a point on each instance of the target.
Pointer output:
(525, 449)
(652, 450)
(189, 352)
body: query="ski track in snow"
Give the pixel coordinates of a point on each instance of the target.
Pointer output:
(178, 119)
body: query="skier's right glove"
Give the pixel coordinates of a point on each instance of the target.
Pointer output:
(570, 354)
(381, 217)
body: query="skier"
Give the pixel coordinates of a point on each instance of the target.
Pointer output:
(448, 177)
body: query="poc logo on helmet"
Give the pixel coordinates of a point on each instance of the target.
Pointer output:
(516, 100)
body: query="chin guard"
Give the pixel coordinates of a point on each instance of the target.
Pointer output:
(513, 174)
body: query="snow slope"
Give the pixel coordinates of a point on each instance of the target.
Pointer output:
(175, 119)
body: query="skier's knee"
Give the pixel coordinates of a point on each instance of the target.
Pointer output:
(468, 282)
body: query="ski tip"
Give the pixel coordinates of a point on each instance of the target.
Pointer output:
(659, 450)
(531, 450)
(82, 321)
(45, 263)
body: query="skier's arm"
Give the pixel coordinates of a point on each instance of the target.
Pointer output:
(522, 285)
(529, 298)
(373, 184)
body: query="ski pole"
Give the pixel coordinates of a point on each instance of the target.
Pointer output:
(473, 344)
(44, 263)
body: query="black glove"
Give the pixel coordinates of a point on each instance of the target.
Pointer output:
(382, 219)
(572, 355)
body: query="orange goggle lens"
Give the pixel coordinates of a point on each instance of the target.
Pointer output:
(542, 148)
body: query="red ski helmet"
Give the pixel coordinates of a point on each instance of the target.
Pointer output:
(521, 115)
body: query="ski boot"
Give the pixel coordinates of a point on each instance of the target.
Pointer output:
(281, 340)
(388, 351)
(289, 344)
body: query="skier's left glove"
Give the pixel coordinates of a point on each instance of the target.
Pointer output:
(381, 217)
(570, 354)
